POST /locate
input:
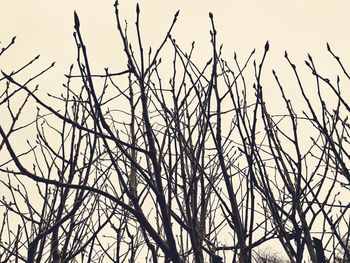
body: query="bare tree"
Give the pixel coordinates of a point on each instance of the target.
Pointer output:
(185, 166)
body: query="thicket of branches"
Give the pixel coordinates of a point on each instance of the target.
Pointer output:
(147, 165)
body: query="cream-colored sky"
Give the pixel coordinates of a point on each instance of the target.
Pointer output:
(300, 26)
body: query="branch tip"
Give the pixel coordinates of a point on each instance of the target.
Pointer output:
(76, 21)
(309, 56)
(267, 46)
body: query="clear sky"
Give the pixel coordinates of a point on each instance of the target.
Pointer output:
(299, 26)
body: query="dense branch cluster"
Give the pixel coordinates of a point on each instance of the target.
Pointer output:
(186, 165)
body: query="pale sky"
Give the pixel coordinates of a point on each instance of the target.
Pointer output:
(300, 26)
